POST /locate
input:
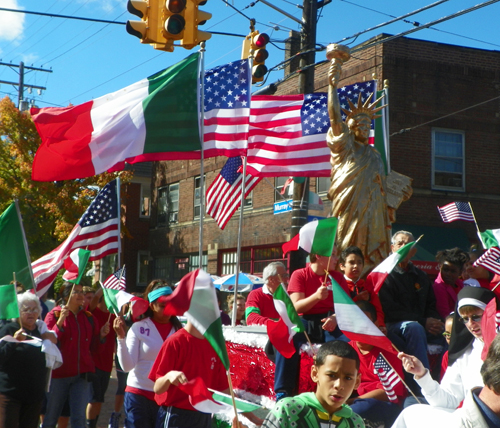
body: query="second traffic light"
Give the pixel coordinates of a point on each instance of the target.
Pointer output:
(258, 43)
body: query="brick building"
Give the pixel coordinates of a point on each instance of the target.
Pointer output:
(451, 149)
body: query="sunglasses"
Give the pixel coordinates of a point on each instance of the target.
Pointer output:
(475, 318)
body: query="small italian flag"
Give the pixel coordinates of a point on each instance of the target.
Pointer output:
(116, 298)
(281, 332)
(75, 265)
(378, 275)
(354, 323)
(207, 400)
(146, 121)
(490, 238)
(195, 298)
(316, 237)
(9, 307)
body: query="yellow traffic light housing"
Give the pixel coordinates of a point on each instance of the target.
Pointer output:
(195, 17)
(173, 18)
(258, 44)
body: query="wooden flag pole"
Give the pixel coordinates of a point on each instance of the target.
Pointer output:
(404, 383)
(475, 221)
(17, 301)
(232, 397)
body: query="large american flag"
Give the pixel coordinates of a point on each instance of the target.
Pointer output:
(490, 260)
(226, 109)
(287, 134)
(224, 194)
(116, 281)
(97, 231)
(387, 375)
(456, 211)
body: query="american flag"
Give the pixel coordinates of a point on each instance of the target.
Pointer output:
(116, 281)
(490, 260)
(287, 133)
(224, 194)
(456, 211)
(387, 375)
(227, 109)
(97, 231)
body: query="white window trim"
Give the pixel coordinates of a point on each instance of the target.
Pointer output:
(447, 188)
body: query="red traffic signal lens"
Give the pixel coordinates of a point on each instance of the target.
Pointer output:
(175, 24)
(261, 55)
(176, 6)
(259, 71)
(261, 40)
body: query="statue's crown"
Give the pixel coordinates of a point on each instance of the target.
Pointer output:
(365, 108)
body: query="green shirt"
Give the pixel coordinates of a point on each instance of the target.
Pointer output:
(305, 411)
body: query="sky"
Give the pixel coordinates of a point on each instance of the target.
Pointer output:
(89, 59)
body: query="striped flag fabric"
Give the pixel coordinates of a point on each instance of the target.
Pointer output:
(287, 134)
(224, 194)
(116, 281)
(387, 375)
(97, 230)
(316, 237)
(227, 91)
(490, 260)
(75, 265)
(456, 211)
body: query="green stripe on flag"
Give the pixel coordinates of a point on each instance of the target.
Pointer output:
(490, 238)
(171, 109)
(281, 294)
(324, 237)
(339, 295)
(9, 307)
(214, 335)
(242, 405)
(110, 300)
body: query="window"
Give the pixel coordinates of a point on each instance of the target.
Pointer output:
(252, 260)
(142, 268)
(448, 161)
(279, 183)
(145, 201)
(197, 194)
(168, 204)
(323, 185)
(194, 262)
(173, 268)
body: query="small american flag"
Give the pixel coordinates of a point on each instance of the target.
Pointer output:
(224, 194)
(490, 260)
(456, 211)
(387, 375)
(97, 231)
(287, 133)
(116, 281)
(226, 109)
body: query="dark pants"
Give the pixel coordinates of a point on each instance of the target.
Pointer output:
(140, 412)
(376, 411)
(173, 417)
(287, 369)
(19, 414)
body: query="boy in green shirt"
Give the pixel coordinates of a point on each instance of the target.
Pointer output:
(336, 373)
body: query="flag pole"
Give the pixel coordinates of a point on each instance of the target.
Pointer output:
(25, 242)
(201, 126)
(17, 301)
(385, 115)
(475, 221)
(402, 380)
(232, 397)
(119, 220)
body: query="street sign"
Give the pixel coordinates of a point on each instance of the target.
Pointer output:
(282, 207)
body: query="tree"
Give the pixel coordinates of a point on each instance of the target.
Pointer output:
(49, 209)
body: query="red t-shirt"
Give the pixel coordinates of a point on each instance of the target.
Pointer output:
(195, 358)
(103, 353)
(306, 281)
(163, 329)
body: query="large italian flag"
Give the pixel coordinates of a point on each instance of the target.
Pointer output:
(490, 238)
(315, 237)
(145, 121)
(195, 298)
(354, 323)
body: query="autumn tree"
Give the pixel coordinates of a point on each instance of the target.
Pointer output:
(49, 209)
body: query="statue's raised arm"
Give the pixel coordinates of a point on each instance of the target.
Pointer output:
(337, 54)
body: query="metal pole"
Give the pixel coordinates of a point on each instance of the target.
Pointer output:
(20, 95)
(306, 86)
(119, 207)
(201, 119)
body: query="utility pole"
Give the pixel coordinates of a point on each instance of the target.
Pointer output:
(306, 86)
(21, 85)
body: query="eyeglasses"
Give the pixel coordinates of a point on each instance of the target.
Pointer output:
(77, 292)
(29, 310)
(446, 335)
(475, 318)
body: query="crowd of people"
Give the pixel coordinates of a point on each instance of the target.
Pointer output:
(57, 370)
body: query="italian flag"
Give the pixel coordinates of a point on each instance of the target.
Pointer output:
(146, 121)
(115, 299)
(75, 265)
(354, 323)
(9, 308)
(490, 238)
(281, 332)
(195, 298)
(207, 400)
(378, 275)
(315, 237)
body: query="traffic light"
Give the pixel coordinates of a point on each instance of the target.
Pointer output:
(195, 17)
(174, 19)
(149, 29)
(258, 44)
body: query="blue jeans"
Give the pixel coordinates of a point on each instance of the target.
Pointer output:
(173, 417)
(287, 369)
(415, 338)
(376, 411)
(140, 412)
(77, 390)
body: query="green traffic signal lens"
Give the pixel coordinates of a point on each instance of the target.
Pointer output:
(259, 71)
(175, 24)
(176, 6)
